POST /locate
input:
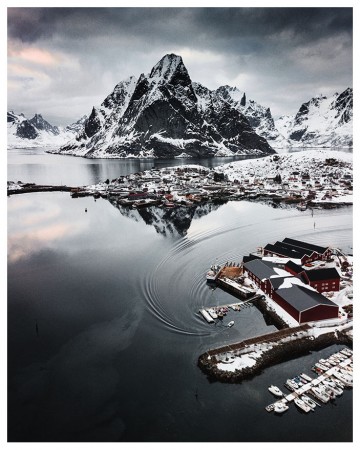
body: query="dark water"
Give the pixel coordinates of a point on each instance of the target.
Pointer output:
(103, 330)
(37, 166)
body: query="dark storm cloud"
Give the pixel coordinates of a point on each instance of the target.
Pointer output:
(279, 56)
(31, 24)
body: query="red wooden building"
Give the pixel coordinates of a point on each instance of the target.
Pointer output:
(288, 291)
(294, 249)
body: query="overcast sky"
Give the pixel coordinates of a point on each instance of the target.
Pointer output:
(62, 61)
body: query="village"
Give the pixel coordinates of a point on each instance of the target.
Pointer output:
(318, 181)
(308, 292)
(311, 179)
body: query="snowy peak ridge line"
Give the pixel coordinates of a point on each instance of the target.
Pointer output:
(321, 122)
(164, 114)
(37, 132)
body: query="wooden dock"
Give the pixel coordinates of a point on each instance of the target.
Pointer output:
(306, 387)
(212, 311)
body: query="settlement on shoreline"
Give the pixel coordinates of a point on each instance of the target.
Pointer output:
(305, 179)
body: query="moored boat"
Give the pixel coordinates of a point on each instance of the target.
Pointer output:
(347, 381)
(332, 386)
(291, 385)
(338, 383)
(346, 351)
(212, 273)
(305, 377)
(321, 366)
(302, 405)
(280, 407)
(320, 394)
(276, 391)
(308, 401)
(212, 313)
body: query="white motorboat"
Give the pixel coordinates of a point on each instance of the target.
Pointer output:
(230, 324)
(346, 351)
(290, 384)
(321, 367)
(211, 276)
(327, 390)
(338, 383)
(276, 391)
(280, 407)
(320, 394)
(212, 313)
(347, 381)
(332, 386)
(308, 401)
(302, 405)
(213, 272)
(305, 377)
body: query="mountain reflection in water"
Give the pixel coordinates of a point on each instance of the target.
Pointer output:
(169, 221)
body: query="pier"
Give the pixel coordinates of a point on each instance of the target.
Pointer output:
(306, 388)
(32, 187)
(211, 313)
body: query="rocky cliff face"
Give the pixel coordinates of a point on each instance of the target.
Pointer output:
(258, 116)
(163, 114)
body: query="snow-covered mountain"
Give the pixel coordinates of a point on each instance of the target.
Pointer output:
(164, 114)
(259, 117)
(321, 122)
(37, 132)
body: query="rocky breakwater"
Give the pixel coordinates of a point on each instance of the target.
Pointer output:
(259, 353)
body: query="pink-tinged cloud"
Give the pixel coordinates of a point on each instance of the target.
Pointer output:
(23, 71)
(33, 54)
(38, 56)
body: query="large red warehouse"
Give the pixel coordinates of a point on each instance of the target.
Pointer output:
(305, 305)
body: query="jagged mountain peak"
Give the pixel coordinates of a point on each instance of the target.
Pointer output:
(233, 93)
(166, 67)
(164, 114)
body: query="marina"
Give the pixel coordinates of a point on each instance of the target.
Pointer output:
(324, 388)
(212, 313)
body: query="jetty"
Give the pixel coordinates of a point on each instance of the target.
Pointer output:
(307, 387)
(211, 313)
(32, 187)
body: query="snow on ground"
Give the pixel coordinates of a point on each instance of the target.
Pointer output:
(287, 162)
(240, 362)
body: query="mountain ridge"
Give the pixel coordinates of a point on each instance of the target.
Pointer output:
(166, 114)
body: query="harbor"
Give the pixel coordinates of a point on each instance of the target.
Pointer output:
(305, 290)
(325, 387)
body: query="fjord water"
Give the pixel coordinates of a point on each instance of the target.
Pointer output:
(103, 329)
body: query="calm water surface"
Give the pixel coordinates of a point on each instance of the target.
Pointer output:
(103, 329)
